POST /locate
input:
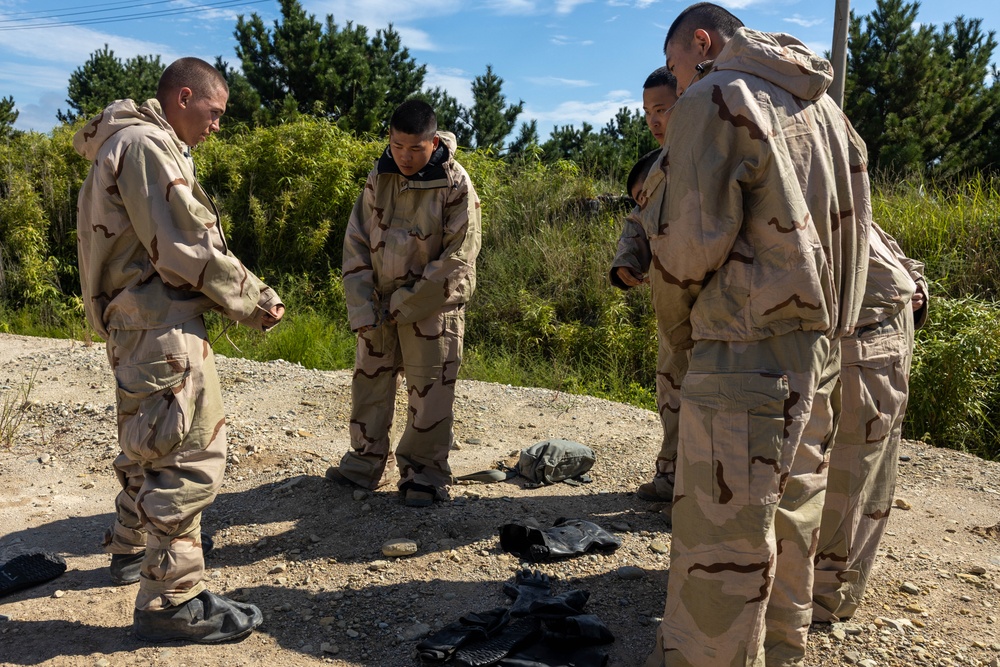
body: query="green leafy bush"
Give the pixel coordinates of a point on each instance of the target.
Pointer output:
(544, 312)
(955, 380)
(286, 192)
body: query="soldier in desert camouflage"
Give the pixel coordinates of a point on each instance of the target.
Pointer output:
(409, 268)
(758, 266)
(629, 269)
(153, 260)
(874, 378)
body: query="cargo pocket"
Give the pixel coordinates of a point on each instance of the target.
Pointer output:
(153, 413)
(736, 424)
(875, 387)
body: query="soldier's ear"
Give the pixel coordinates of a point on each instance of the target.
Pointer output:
(184, 97)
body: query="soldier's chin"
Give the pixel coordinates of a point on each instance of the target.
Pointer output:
(407, 171)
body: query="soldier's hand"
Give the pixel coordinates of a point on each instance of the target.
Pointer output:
(274, 316)
(919, 298)
(629, 278)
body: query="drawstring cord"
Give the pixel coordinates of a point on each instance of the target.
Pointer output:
(225, 332)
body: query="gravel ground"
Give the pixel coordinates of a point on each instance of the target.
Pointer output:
(310, 554)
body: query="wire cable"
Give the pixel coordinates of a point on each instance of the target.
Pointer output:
(219, 4)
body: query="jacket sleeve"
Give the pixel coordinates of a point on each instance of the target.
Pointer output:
(358, 275)
(268, 299)
(450, 279)
(633, 252)
(700, 208)
(914, 268)
(177, 231)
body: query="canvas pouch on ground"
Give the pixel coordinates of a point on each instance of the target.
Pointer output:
(556, 460)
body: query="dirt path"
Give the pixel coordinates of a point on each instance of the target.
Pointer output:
(309, 554)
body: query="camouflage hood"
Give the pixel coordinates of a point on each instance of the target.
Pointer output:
(778, 58)
(442, 156)
(116, 117)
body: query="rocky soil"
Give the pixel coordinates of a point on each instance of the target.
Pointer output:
(310, 554)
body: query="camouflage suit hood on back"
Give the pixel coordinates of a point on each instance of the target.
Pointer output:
(152, 252)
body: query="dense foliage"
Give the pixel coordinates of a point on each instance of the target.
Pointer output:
(8, 116)
(308, 97)
(544, 313)
(325, 69)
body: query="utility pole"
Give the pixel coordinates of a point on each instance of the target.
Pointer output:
(841, 21)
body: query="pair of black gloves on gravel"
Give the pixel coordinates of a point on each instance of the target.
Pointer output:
(539, 629)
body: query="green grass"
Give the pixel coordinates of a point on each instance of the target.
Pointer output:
(544, 313)
(954, 230)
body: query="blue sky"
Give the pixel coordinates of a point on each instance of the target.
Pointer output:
(570, 61)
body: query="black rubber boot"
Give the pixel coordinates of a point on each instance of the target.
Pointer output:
(518, 633)
(205, 619)
(28, 570)
(125, 568)
(470, 628)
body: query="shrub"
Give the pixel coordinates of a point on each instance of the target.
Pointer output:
(955, 380)
(286, 192)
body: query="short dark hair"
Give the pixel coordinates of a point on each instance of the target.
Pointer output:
(640, 169)
(706, 16)
(660, 76)
(194, 73)
(416, 117)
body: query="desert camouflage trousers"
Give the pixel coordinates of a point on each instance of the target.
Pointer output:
(172, 434)
(863, 461)
(671, 366)
(429, 354)
(755, 421)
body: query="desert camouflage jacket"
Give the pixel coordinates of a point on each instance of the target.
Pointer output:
(892, 280)
(150, 244)
(760, 199)
(633, 250)
(411, 242)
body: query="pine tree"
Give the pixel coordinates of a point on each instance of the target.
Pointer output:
(8, 116)
(326, 70)
(918, 95)
(490, 117)
(104, 78)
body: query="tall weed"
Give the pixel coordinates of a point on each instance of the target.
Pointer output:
(955, 379)
(954, 229)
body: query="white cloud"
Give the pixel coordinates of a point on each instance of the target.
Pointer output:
(638, 4)
(511, 7)
(73, 45)
(566, 40)
(558, 81)
(804, 22)
(416, 39)
(33, 76)
(455, 81)
(576, 112)
(40, 116)
(375, 14)
(742, 4)
(567, 6)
